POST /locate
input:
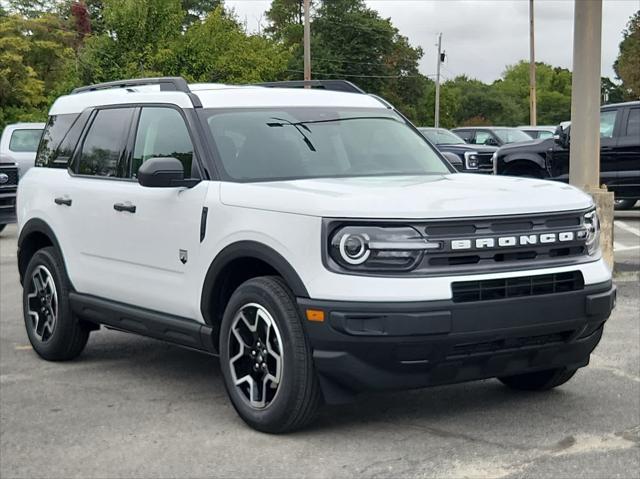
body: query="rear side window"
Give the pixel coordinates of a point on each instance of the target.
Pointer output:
(102, 148)
(633, 123)
(162, 132)
(55, 131)
(25, 141)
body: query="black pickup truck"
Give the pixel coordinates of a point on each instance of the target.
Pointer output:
(619, 154)
(464, 157)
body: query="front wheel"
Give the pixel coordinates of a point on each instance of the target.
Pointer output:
(2, 227)
(540, 380)
(622, 204)
(266, 359)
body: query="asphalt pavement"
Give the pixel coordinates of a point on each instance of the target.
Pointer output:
(136, 407)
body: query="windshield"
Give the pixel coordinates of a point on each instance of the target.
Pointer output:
(297, 143)
(441, 137)
(511, 135)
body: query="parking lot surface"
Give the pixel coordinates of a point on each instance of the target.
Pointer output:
(135, 407)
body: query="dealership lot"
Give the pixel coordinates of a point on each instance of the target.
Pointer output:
(135, 407)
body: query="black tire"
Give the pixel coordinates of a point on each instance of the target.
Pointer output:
(2, 227)
(540, 380)
(69, 335)
(297, 397)
(618, 204)
(527, 172)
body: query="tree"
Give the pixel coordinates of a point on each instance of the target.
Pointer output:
(627, 65)
(218, 50)
(378, 58)
(137, 39)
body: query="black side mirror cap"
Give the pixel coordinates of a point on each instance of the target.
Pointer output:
(164, 173)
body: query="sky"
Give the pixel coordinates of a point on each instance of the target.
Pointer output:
(482, 37)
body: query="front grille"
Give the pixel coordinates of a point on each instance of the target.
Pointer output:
(12, 173)
(507, 344)
(496, 289)
(485, 163)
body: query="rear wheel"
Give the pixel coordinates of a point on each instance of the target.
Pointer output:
(266, 359)
(527, 171)
(54, 333)
(540, 380)
(621, 204)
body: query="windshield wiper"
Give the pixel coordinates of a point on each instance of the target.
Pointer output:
(298, 126)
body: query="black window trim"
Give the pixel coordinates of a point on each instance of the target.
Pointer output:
(196, 163)
(75, 160)
(192, 122)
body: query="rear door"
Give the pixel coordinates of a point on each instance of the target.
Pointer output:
(610, 123)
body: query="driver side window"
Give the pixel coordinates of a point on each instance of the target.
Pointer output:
(482, 137)
(607, 123)
(162, 133)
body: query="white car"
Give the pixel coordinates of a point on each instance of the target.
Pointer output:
(311, 238)
(19, 142)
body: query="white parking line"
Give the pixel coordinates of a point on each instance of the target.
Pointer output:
(620, 247)
(626, 227)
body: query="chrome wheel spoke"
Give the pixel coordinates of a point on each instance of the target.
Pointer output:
(255, 352)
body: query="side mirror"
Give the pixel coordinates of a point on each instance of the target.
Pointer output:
(163, 173)
(561, 137)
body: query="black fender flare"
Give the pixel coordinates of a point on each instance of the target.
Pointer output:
(36, 225)
(534, 158)
(247, 249)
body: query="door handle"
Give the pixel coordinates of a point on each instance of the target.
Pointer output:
(125, 207)
(62, 201)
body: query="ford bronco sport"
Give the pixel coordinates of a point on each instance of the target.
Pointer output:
(311, 238)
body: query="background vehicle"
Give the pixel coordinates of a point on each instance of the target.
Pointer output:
(538, 132)
(8, 187)
(619, 154)
(20, 142)
(313, 240)
(466, 158)
(491, 135)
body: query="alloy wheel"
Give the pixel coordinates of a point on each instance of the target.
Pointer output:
(42, 303)
(255, 355)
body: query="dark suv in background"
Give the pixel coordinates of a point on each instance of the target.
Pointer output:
(619, 154)
(464, 157)
(491, 135)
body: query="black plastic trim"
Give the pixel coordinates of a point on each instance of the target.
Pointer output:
(203, 223)
(36, 225)
(246, 249)
(173, 329)
(334, 85)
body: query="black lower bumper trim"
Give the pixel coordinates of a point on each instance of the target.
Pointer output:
(379, 346)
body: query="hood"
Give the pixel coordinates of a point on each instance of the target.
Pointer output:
(539, 144)
(437, 196)
(462, 147)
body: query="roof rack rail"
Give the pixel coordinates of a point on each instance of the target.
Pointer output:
(166, 84)
(334, 85)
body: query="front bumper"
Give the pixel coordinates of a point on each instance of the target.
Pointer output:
(7, 207)
(379, 346)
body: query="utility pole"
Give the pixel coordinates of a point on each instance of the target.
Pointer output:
(584, 152)
(533, 118)
(437, 113)
(307, 42)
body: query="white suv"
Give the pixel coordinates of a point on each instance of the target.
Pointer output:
(311, 238)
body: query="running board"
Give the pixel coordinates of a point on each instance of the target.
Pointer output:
(132, 319)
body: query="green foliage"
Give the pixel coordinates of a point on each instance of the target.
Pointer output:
(218, 50)
(37, 64)
(627, 65)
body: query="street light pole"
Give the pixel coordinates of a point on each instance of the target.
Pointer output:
(533, 114)
(307, 43)
(437, 112)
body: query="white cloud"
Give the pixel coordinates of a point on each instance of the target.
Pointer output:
(482, 37)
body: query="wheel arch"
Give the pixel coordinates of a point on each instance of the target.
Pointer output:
(531, 160)
(252, 259)
(35, 234)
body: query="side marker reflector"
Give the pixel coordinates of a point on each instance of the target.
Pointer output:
(315, 315)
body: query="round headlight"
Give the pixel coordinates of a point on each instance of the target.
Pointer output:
(354, 248)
